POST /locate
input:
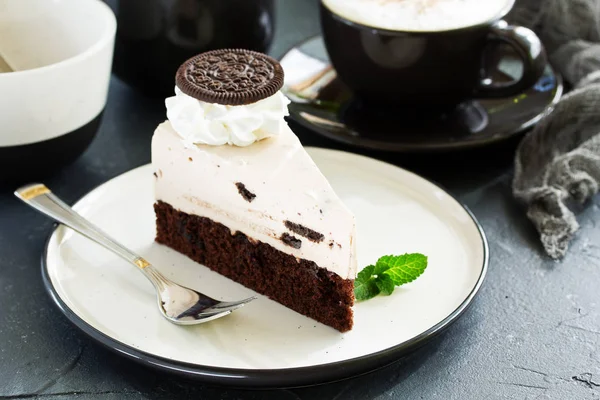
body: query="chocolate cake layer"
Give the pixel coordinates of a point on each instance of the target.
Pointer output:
(300, 285)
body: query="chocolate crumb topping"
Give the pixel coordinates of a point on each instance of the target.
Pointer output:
(230, 76)
(246, 194)
(291, 240)
(304, 231)
(154, 173)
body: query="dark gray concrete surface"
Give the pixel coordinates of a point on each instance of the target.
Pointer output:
(532, 333)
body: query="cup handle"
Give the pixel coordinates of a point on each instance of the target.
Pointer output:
(530, 49)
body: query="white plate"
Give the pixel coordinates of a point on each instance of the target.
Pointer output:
(396, 212)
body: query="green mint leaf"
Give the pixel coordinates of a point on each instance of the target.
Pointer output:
(385, 284)
(364, 275)
(366, 290)
(364, 285)
(402, 269)
(387, 273)
(382, 265)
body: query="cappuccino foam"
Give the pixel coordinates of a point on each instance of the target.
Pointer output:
(417, 15)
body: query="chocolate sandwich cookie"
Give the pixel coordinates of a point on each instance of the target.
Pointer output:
(230, 77)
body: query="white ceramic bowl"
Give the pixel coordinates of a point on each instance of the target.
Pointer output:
(51, 104)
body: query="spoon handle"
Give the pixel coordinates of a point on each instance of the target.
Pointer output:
(42, 199)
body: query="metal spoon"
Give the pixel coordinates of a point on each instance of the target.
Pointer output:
(180, 305)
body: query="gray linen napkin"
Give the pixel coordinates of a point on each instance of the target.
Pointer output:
(558, 163)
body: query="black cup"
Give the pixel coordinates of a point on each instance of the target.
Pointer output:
(437, 69)
(155, 36)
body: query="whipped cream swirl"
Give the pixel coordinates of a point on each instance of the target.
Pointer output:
(199, 122)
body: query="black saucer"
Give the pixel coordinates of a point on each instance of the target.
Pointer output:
(323, 104)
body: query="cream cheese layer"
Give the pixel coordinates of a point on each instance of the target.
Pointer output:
(292, 197)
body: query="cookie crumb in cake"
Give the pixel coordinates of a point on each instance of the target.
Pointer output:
(304, 231)
(154, 173)
(190, 158)
(291, 240)
(246, 194)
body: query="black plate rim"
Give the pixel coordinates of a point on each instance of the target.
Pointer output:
(392, 147)
(273, 378)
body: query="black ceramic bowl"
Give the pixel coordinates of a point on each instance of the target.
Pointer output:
(155, 36)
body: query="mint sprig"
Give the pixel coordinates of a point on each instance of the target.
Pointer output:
(387, 273)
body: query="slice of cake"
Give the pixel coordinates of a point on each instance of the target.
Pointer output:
(237, 192)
